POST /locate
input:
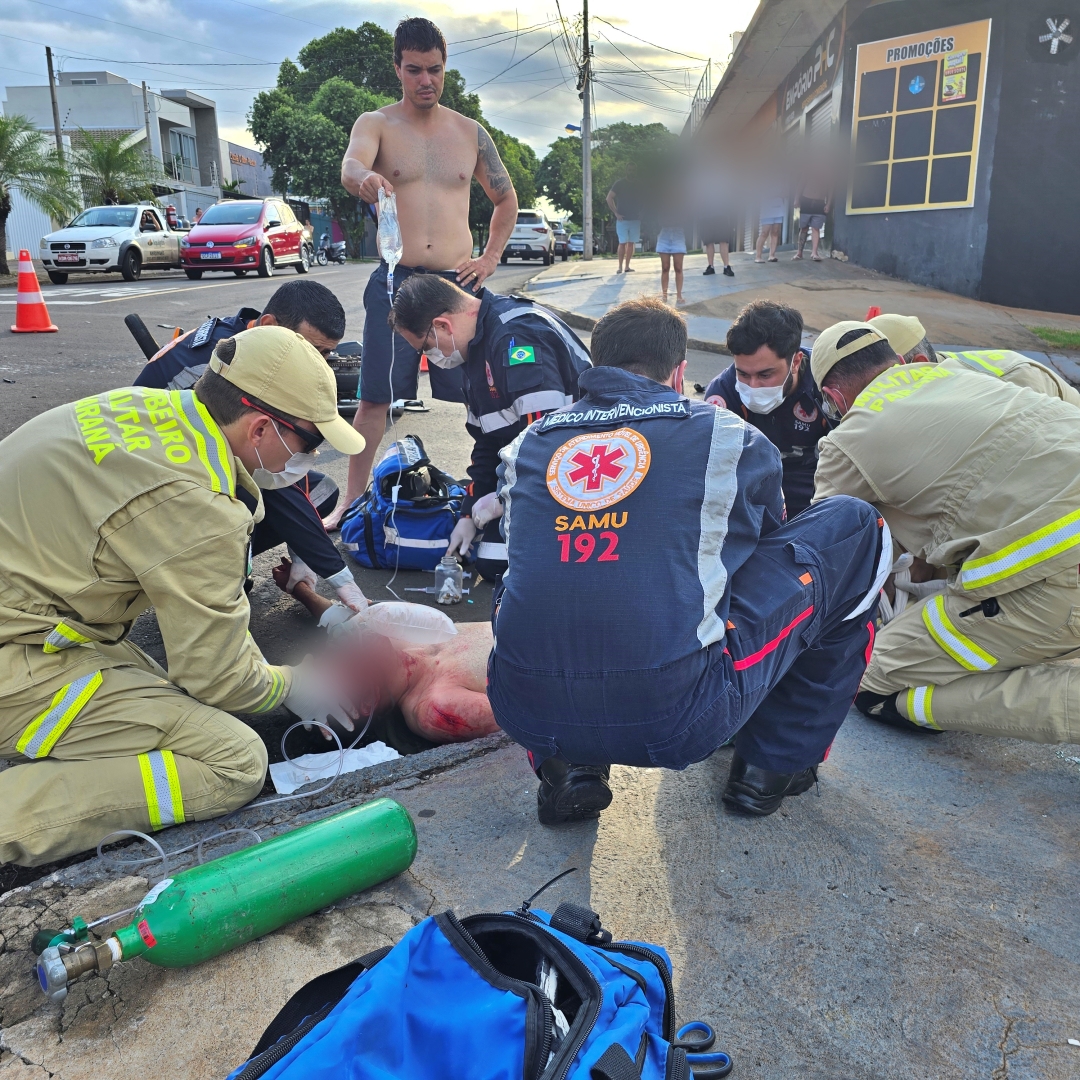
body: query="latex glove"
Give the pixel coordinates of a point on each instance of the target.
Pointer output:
(300, 571)
(462, 537)
(922, 589)
(352, 597)
(316, 695)
(487, 508)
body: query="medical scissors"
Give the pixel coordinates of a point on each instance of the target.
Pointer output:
(697, 1039)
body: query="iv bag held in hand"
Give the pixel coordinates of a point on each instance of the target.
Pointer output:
(414, 623)
(390, 242)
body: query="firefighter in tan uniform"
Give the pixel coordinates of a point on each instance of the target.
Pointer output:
(117, 503)
(975, 463)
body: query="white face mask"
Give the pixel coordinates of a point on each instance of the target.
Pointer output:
(440, 359)
(762, 399)
(296, 468)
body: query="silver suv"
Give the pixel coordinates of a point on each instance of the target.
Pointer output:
(532, 238)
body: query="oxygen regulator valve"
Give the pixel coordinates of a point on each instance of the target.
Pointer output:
(62, 964)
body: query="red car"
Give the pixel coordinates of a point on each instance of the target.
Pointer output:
(246, 234)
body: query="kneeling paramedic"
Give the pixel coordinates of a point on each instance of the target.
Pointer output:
(987, 500)
(656, 604)
(128, 500)
(293, 511)
(770, 386)
(519, 362)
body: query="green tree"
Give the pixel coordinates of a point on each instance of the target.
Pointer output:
(110, 171)
(558, 176)
(303, 124)
(232, 187)
(30, 165)
(363, 57)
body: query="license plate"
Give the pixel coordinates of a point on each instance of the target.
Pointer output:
(68, 257)
(210, 255)
(519, 247)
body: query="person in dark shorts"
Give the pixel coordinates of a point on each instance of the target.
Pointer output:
(813, 200)
(716, 232)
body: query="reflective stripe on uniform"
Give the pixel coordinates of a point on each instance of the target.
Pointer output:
(488, 550)
(209, 442)
(44, 731)
(275, 694)
(1028, 551)
(962, 649)
(161, 782)
(918, 707)
(983, 361)
(63, 637)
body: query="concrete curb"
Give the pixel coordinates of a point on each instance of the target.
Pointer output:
(586, 322)
(350, 789)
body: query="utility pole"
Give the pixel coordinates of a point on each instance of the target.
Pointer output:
(55, 106)
(586, 137)
(146, 120)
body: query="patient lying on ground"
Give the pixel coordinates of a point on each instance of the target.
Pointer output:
(440, 689)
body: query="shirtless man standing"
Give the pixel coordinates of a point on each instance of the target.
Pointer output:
(441, 690)
(426, 154)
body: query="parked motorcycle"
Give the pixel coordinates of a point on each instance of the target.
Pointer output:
(328, 252)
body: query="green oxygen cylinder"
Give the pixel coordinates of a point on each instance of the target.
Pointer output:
(209, 909)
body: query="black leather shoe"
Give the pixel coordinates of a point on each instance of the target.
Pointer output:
(882, 707)
(709, 270)
(571, 792)
(750, 790)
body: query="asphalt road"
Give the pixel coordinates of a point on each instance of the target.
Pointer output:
(93, 350)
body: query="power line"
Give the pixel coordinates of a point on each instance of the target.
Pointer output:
(640, 101)
(514, 65)
(651, 44)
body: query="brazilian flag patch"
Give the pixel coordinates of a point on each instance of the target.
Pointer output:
(523, 354)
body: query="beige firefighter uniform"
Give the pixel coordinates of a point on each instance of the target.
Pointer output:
(975, 464)
(114, 504)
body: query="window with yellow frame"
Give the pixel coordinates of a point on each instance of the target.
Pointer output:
(917, 119)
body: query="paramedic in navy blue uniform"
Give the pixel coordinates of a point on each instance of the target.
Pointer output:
(292, 515)
(656, 604)
(519, 362)
(770, 386)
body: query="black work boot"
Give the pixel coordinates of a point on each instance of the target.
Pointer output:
(750, 790)
(882, 707)
(571, 792)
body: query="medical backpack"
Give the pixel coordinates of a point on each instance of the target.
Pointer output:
(518, 994)
(405, 518)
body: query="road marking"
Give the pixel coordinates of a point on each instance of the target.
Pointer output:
(127, 294)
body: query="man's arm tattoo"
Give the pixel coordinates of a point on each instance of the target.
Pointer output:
(498, 177)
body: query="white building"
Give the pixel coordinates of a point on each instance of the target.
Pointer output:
(181, 125)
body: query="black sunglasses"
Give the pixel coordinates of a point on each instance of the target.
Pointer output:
(311, 441)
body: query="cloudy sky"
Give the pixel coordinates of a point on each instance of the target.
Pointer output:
(648, 57)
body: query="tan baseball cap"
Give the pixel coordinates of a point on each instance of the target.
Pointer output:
(903, 331)
(284, 370)
(826, 354)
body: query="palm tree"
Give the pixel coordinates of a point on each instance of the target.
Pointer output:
(31, 166)
(111, 171)
(232, 187)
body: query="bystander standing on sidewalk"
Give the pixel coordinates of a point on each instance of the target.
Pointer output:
(671, 242)
(813, 199)
(773, 210)
(624, 201)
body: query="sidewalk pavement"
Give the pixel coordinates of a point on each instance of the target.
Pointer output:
(824, 292)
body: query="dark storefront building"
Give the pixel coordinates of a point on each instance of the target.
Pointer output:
(954, 127)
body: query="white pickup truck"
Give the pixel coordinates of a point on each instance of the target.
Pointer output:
(105, 239)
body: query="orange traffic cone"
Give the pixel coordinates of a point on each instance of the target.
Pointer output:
(31, 314)
(872, 312)
(423, 362)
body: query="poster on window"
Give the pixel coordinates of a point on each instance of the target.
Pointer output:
(917, 120)
(954, 81)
